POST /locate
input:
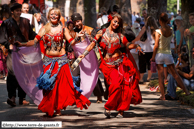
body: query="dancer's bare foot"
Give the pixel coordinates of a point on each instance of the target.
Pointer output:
(99, 99)
(57, 113)
(120, 114)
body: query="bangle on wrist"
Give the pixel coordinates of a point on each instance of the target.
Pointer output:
(77, 39)
(129, 43)
(86, 52)
(137, 45)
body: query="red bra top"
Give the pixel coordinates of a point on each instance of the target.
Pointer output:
(114, 44)
(53, 41)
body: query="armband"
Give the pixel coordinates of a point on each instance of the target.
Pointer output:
(138, 45)
(86, 52)
(70, 41)
(129, 43)
(95, 40)
(38, 37)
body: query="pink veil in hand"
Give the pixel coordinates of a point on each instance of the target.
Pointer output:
(88, 68)
(27, 66)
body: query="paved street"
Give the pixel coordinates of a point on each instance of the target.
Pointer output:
(151, 113)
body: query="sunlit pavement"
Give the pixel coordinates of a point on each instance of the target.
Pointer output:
(151, 113)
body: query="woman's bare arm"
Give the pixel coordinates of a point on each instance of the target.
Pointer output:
(157, 36)
(140, 35)
(93, 43)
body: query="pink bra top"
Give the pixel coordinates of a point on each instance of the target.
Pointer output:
(53, 40)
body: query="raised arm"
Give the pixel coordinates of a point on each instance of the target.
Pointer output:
(92, 44)
(139, 35)
(70, 39)
(130, 45)
(36, 39)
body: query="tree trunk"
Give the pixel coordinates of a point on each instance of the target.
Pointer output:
(73, 4)
(186, 8)
(156, 7)
(125, 11)
(90, 13)
(105, 5)
(61, 6)
(80, 8)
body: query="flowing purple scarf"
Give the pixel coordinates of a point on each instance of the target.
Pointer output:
(27, 66)
(88, 68)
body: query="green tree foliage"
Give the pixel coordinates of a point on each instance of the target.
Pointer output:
(172, 6)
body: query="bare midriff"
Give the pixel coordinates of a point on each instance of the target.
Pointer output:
(60, 51)
(117, 53)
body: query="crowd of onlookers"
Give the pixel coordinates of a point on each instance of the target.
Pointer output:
(142, 31)
(144, 28)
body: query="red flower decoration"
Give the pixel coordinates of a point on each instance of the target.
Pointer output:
(109, 17)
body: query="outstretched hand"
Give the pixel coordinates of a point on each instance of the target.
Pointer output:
(81, 34)
(18, 44)
(139, 49)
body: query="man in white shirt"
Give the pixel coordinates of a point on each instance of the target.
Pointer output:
(102, 20)
(133, 18)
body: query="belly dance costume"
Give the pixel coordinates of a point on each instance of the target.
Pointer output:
(56, 80)
(120, 74)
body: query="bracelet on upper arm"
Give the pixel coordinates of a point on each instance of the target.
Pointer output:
(95, 40)
(38, 37)
(138, 45)
(86, 52)
(35, 41)
(70, 41)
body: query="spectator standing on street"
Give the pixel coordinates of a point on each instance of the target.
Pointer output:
(133, 18)
(162, 54)
(180, 41)
(147, 46)
(37, 22)
(143, 20)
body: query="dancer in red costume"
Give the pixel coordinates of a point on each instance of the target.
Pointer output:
(56, 81)
(119, 71)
